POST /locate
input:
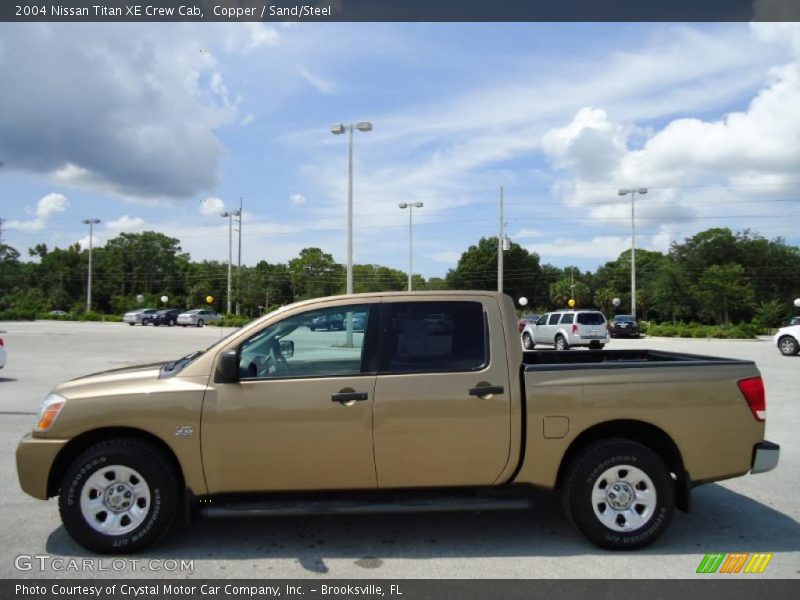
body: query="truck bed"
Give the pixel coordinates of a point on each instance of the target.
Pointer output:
(553, 360)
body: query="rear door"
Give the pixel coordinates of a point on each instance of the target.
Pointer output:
(442, 410)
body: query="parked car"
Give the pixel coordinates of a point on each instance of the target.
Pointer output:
(166, 316)
(623, 325)
(567, 328)
(788, 340)
(328, 322)
(465, 421)
(142, 316)
(794, 321)
(198, 317)
(3, 354)
(525, 319)
(58, 313)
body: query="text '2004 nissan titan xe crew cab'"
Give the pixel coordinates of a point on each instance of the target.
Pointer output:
(430, 405)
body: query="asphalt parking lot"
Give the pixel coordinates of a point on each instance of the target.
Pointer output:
(751, 513)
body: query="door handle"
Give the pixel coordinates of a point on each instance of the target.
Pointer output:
(350, 397)
(486, 390)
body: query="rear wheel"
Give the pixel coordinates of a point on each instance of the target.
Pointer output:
(119, 496)
(527, 341)
(619, 494)
(200, 322)
(145, 321)
(171, 322)
(788, 346)
(561, 343)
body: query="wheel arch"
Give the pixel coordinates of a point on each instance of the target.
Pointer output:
(643, 433)
(89, 438)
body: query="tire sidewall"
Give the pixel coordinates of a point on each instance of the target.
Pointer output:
(592, 464)
(794, 346)
(527, 341)
(156, 473)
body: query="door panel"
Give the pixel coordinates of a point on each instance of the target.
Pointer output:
(428, 429)
(280, 427)
(288, 435)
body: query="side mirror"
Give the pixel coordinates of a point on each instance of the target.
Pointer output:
(287, 348)
(228, 366)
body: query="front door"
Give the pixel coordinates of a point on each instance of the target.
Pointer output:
(442, 414)
(300, 418)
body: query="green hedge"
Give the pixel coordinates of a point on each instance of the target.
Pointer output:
(746, 331)
(234, 321)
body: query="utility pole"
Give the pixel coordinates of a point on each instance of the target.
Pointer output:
(633, 192)
(239, 261)
(90, 223)
(229, 216)
(500, 243)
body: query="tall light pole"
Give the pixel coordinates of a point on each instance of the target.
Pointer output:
(91, 223)
(229, 215)
(633, 192)
(410, 206)
(338, 130)
(238, 214)
(501, 238)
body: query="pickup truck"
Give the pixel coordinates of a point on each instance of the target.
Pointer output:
(405, 415)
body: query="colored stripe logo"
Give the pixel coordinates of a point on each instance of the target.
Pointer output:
(734, 562)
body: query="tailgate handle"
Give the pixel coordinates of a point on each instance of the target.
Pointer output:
(486, 390)
(350, 397)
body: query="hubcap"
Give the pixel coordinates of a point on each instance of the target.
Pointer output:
(787, 346)
(115, 500)
(623, 498)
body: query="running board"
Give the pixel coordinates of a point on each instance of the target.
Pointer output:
(344, 507)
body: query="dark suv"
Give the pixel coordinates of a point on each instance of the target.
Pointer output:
(623, 325)
(327, 322)
(165, 316)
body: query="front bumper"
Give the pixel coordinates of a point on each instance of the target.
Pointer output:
(765, 457)
(35, 457)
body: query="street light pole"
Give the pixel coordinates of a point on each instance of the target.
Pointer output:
(229, 216)
(90, 223)
(339, 129)
(633, 192)
(239, 260)
(410, 206)
(500, 244)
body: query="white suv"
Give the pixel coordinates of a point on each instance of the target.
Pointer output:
(566, 328)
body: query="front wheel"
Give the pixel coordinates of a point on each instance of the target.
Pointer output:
(561, 343)
(527, 341)
(145, 321)
(788, 346)
(200, 322)
(118, 496)
(171, 322)
(619, 494)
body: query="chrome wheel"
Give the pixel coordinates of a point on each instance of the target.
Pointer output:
(561, 343)
(527, 341)
(115, 500)
(624, 498)
(787, 345)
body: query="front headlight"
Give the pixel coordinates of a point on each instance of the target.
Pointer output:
(50, 409)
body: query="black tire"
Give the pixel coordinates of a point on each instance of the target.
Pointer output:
(131, 324)
(145, 321)
(788, 345)
(200, 322)
(527, 341)
(155, 323)
(595, 346)
(561, 342)
(156, 471)
(619, 458)
(171, 322)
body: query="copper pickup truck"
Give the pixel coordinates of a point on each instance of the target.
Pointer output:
(421, 401)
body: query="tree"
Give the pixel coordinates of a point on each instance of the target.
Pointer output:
(477, 270)
(314, 273)
(723, 289)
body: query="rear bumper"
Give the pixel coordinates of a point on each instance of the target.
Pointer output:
(765, 457)
(35, 457)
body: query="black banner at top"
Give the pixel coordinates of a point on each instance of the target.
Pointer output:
(107, 11)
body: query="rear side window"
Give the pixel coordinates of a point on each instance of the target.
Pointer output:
(554, 319)
(568, 318)
(426, 337)
(591, 318)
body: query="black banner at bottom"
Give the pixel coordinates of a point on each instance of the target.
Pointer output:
(401, 589)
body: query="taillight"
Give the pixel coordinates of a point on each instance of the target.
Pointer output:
(1, 341)
(574, 329)
(753, 391)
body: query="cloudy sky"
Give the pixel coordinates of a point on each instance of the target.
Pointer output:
(162, 126)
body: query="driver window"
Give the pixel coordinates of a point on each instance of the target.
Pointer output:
(311, 344)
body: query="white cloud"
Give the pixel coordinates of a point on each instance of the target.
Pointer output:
(246, 120)
(297, 199)
(49, 205)
(211, 206)
(446, 257)
(525, 234)
(320, 84)
(126, 223)
(97, 242)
